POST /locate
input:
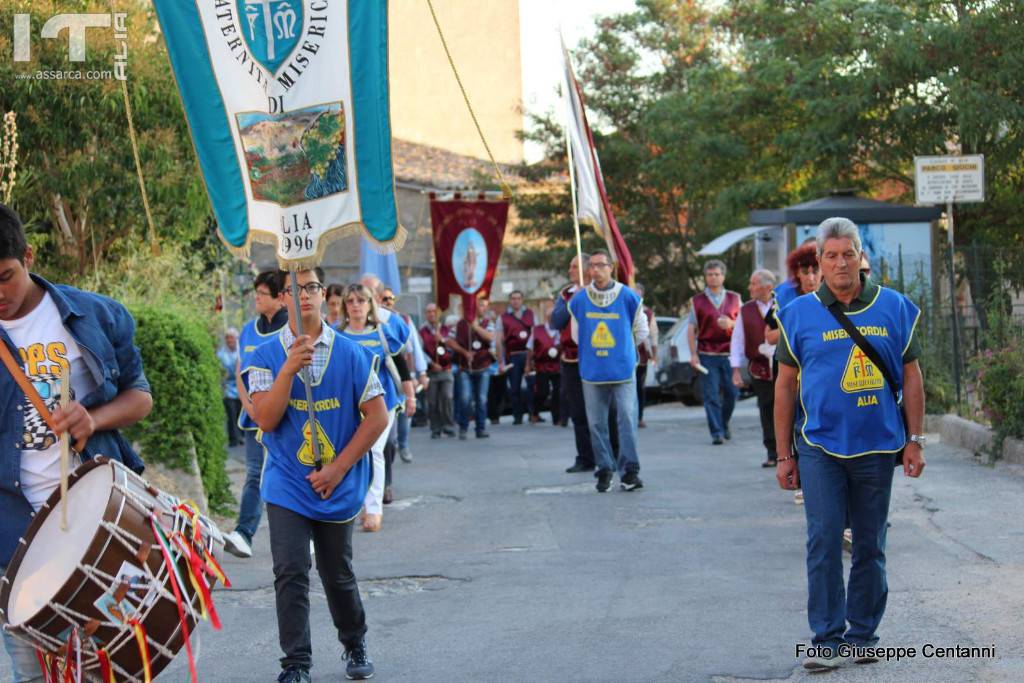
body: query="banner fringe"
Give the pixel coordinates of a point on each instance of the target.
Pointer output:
(394, 245)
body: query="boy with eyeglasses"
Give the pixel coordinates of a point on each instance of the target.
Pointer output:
(305, 501)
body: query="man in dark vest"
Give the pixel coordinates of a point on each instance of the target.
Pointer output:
(513, 330)
(440, 390)
(545, 352)
(474, 342)
(572, 386)
(749, 347)
(713, 315)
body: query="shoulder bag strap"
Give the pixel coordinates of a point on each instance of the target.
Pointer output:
(866, 347)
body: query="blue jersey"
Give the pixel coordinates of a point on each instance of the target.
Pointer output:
(381, 342)
(248, 341)
(337, 396)
(786, 291)
(605, 331)
(846, 407)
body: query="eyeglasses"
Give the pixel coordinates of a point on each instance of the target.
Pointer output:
(312, 288)
(599, 264)
(387, 299)
(262, 292)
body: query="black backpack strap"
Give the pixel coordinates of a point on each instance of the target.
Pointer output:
(866, 347)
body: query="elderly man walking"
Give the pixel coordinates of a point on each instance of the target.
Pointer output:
(853, 345)
(713, 315)
(608, 323)
(750, 349)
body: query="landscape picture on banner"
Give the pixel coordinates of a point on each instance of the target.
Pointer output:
(296, 156)
(469, 260)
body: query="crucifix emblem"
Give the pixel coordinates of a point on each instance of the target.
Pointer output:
(860, 373)
(271, 29)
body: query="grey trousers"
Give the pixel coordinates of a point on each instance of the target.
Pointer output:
(290, 533)
(440, 395)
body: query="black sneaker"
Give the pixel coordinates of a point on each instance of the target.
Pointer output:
(294, 674)
(717, 441)
(448, 432)
(579, 468)
(604, 480)
(630, 482)
(462, 435)
(435, 435)
(359, 666)
(482, 435)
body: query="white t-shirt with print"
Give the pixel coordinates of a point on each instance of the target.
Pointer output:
(45, 347)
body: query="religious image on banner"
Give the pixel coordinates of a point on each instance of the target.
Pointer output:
(288, 105)
(467, 246)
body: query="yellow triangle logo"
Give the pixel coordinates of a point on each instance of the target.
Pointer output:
(602, 337)
(305, 454)
(861, 374)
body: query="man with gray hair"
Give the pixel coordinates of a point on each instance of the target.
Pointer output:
(713, 315)
(851, 435)
(228, 357)
(749, 348)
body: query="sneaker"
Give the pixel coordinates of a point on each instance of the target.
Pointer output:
(630, 482)
(717, 441)
(848, 542)
(294, 674)
(405, 454)
(435, 435)
(482, 435)
(862, 655)
(236, 544)
(770, 462)
(798, 497)
(604, 480)
(826, 660)
(462, 435)
(448, 432)
(727, 435)
(359, 666)
(389, 496)
(579, 468)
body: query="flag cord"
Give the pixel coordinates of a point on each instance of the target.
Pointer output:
(154, 245)
(506, 191)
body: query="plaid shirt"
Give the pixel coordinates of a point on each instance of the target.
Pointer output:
(261, 379)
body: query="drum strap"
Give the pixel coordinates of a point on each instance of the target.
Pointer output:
(26, 386)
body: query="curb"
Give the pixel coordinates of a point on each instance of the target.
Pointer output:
(974, 437)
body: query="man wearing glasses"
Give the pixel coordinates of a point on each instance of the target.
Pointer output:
(608, 323)
(271, 316)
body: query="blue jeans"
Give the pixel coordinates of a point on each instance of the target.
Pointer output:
(719, 393)
(598, 399)
(832, 488)
(24, 663)
(516, 367)
(403, 429)
(472, 389)
(251, 508)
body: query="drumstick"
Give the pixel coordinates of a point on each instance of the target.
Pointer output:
(65, 448)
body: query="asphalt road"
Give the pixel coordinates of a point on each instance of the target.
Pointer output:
(496, 565)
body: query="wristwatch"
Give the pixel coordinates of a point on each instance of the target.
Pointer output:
(919, 439)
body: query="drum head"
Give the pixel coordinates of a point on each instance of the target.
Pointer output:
(53, 554)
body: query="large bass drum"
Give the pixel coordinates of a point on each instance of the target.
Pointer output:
(111, 595)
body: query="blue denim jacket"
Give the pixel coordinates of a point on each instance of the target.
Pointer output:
(105, 332)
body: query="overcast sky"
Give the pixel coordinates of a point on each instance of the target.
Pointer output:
(539, 21)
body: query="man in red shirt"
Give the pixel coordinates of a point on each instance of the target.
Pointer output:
(440, 394)
(713, 315)
(749, 348)
(545, 359)
(512, 333)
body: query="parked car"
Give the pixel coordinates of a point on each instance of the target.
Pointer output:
(652, 387)
(676, 376)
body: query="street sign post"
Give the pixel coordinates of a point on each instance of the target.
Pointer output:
(945, 180)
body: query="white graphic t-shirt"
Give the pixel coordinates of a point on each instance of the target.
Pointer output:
(45, 346)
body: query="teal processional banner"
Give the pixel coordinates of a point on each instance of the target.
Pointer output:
(287, 102)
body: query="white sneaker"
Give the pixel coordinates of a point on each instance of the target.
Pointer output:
(405, 454)
(236, 544)
(798, 497)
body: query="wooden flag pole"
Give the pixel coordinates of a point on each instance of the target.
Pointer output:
(575, 216)
(65, 447)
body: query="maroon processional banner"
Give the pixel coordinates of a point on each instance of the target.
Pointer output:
(467, 246)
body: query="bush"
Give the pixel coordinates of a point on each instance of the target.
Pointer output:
(1000, 381)
(179, 361)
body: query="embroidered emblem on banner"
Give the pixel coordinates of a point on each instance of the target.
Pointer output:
(602, 337)
(305, 454)
(271, 30)
(861, 374)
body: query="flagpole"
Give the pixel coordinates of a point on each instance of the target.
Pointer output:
(306, 380)
(572, 179)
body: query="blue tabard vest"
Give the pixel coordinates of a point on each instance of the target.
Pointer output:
(370, 339)
(606, 347)
(248, 341)
(847, 409)
(786, 291)
(336, 397)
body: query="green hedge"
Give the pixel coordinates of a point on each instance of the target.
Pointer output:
(182, 368)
